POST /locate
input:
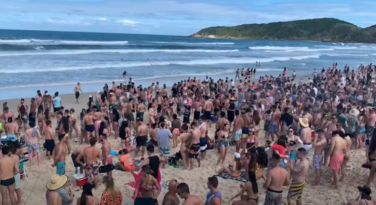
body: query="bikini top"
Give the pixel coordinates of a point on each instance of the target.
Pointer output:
(147, 187)
(224, 137)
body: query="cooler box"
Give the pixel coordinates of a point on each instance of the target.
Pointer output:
(80, 180)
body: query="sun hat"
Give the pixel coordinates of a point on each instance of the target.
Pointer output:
(304, 122)
(354, 112)
(56, 182)
(365, 189)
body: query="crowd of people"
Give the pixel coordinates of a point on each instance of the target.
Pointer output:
(310, 123)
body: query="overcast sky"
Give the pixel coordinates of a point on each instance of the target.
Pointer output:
(171, 17)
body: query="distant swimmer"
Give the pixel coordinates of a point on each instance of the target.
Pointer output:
(125, 75)
(147, 60)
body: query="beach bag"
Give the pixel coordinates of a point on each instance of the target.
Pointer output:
(106, 168)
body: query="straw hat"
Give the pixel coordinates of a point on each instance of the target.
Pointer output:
(304, 122)
(354, 112)
(56, 182)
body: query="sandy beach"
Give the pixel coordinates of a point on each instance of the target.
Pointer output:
(34, 186)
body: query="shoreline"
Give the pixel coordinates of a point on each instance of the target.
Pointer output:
(18, 92)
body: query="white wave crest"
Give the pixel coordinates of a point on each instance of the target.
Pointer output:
(162, 63)
(60, 42)
(91, 51)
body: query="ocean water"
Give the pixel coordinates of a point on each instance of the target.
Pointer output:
(32, 60)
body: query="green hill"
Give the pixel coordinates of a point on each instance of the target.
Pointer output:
(323, 29)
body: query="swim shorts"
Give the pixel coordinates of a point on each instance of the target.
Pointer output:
(60, 168)
(33, 147)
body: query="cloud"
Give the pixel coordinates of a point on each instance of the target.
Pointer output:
(101, 19)
(127, 22)
(68, 22)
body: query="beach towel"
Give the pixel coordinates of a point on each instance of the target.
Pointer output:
(241, 178)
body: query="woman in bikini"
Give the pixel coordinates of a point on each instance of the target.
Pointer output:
(82, 125)
(224, 144)
(234, 171)
(184, 137)
(152, 113)
(41, 121)
(147, 184)
(124, 134)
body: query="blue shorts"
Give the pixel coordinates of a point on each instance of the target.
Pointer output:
(292, 155)
(238, 135)
(165, 151)
(224, 144)
(273, 127)
(60, 168)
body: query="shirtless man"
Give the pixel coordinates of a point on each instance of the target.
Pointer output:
(77, 91)
(274, 125)
(11, 130)
(370, 125)
(141, 137)
(90, 156)
(8, 168)
(98, 115)
(17, 177)
(346, 158)
(183, 192)
(89, 119)
(336, 153)
(33, 110)
(329, 128)
(32, 137)
(106, 157)
(238, 125)
(171, 198)
(203, 138)
(58, 155)
(22, 109)
(185, 136)
(299, 171)
(306, 134)
(79, 150)
(49, 139)
(141, 109)
(47, 101)
(208, 109)
(196, 109)
(276, 179)
(319, 144)
(128, 114)
(194, 147)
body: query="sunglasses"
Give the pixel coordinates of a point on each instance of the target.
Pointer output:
(291, 131)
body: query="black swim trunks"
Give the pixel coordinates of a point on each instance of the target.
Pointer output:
(49, 145)
(207, 115)
(89, 128)
(193, 151)
(7, 182)
(141, 141)
(77, 94)
(196, 115)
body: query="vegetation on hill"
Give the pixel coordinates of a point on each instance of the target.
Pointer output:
(323, 29)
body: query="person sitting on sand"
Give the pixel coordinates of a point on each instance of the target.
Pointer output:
(234, 171)
(250, 198)
(125, 161)
(364, 197)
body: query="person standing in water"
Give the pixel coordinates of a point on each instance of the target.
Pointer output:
(77, 91)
